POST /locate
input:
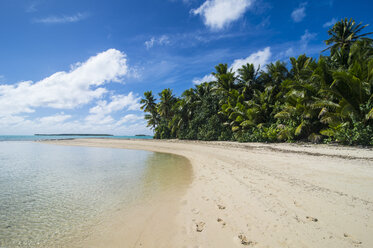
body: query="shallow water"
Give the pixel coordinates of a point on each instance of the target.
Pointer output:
(51, 195)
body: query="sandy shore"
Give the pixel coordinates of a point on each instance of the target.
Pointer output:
(255, 195)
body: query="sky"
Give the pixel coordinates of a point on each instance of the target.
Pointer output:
(82, 66)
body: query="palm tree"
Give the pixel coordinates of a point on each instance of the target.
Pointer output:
(167, 100)
(276, 73)
(248, 79)
(225, 79)
(183, 110)
(248, 75)
(343, 34)
(149, 105)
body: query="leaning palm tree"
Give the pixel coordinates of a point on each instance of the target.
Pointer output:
(149, 105)
(343, 34)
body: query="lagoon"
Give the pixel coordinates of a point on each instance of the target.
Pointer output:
(56, 195)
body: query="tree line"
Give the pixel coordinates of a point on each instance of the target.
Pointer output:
(325, 100)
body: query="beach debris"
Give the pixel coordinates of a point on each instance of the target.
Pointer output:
(244, 240)
(200, 226)
(312, 219)
(221, 206)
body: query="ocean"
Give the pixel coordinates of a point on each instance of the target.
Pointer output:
(51, 195)
(48, 137)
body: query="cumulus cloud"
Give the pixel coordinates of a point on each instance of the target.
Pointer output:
(299, 13)
(65, 90)
(83, 84)
(259, 58)
(101, 112)
(329, 23)
(219, 13)
(118, 102)
(163, 40)
(62, 19)
(207, 78)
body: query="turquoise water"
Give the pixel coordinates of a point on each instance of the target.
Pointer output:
(51, 195)
(35, 138)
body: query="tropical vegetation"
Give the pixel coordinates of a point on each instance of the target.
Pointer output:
(329, 99)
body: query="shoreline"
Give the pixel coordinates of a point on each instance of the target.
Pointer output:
(263, 195)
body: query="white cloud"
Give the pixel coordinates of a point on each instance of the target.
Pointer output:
(306, 38)
(289, 52)
(118, 102)
(58, 118)
(32, 7)
(62, 19)
(99, 119)
(219, 13)
(259, 58)
(65, 90)
(130, 118)
(130, 124)
(163, 40)
(150, 43)
(296, 48)
(100, 114)
(82, 84)
(206, 78)
(299, 13)
(329, 23)
(11, 120)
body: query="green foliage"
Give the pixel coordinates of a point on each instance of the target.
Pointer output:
(324, 100)
(350, 134)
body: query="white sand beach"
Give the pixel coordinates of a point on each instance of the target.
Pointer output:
(252, 195)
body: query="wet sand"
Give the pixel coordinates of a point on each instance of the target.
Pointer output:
(253, 195)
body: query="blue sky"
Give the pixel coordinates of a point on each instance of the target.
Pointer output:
(82, 66)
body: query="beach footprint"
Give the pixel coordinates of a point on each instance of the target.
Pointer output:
(200, 226)
(312, 219)
(195, 211)
(352, 240)
(244, 240)
(221, 207)
(221, 221)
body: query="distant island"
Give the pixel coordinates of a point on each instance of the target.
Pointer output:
(72, 134)
(141, 135)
